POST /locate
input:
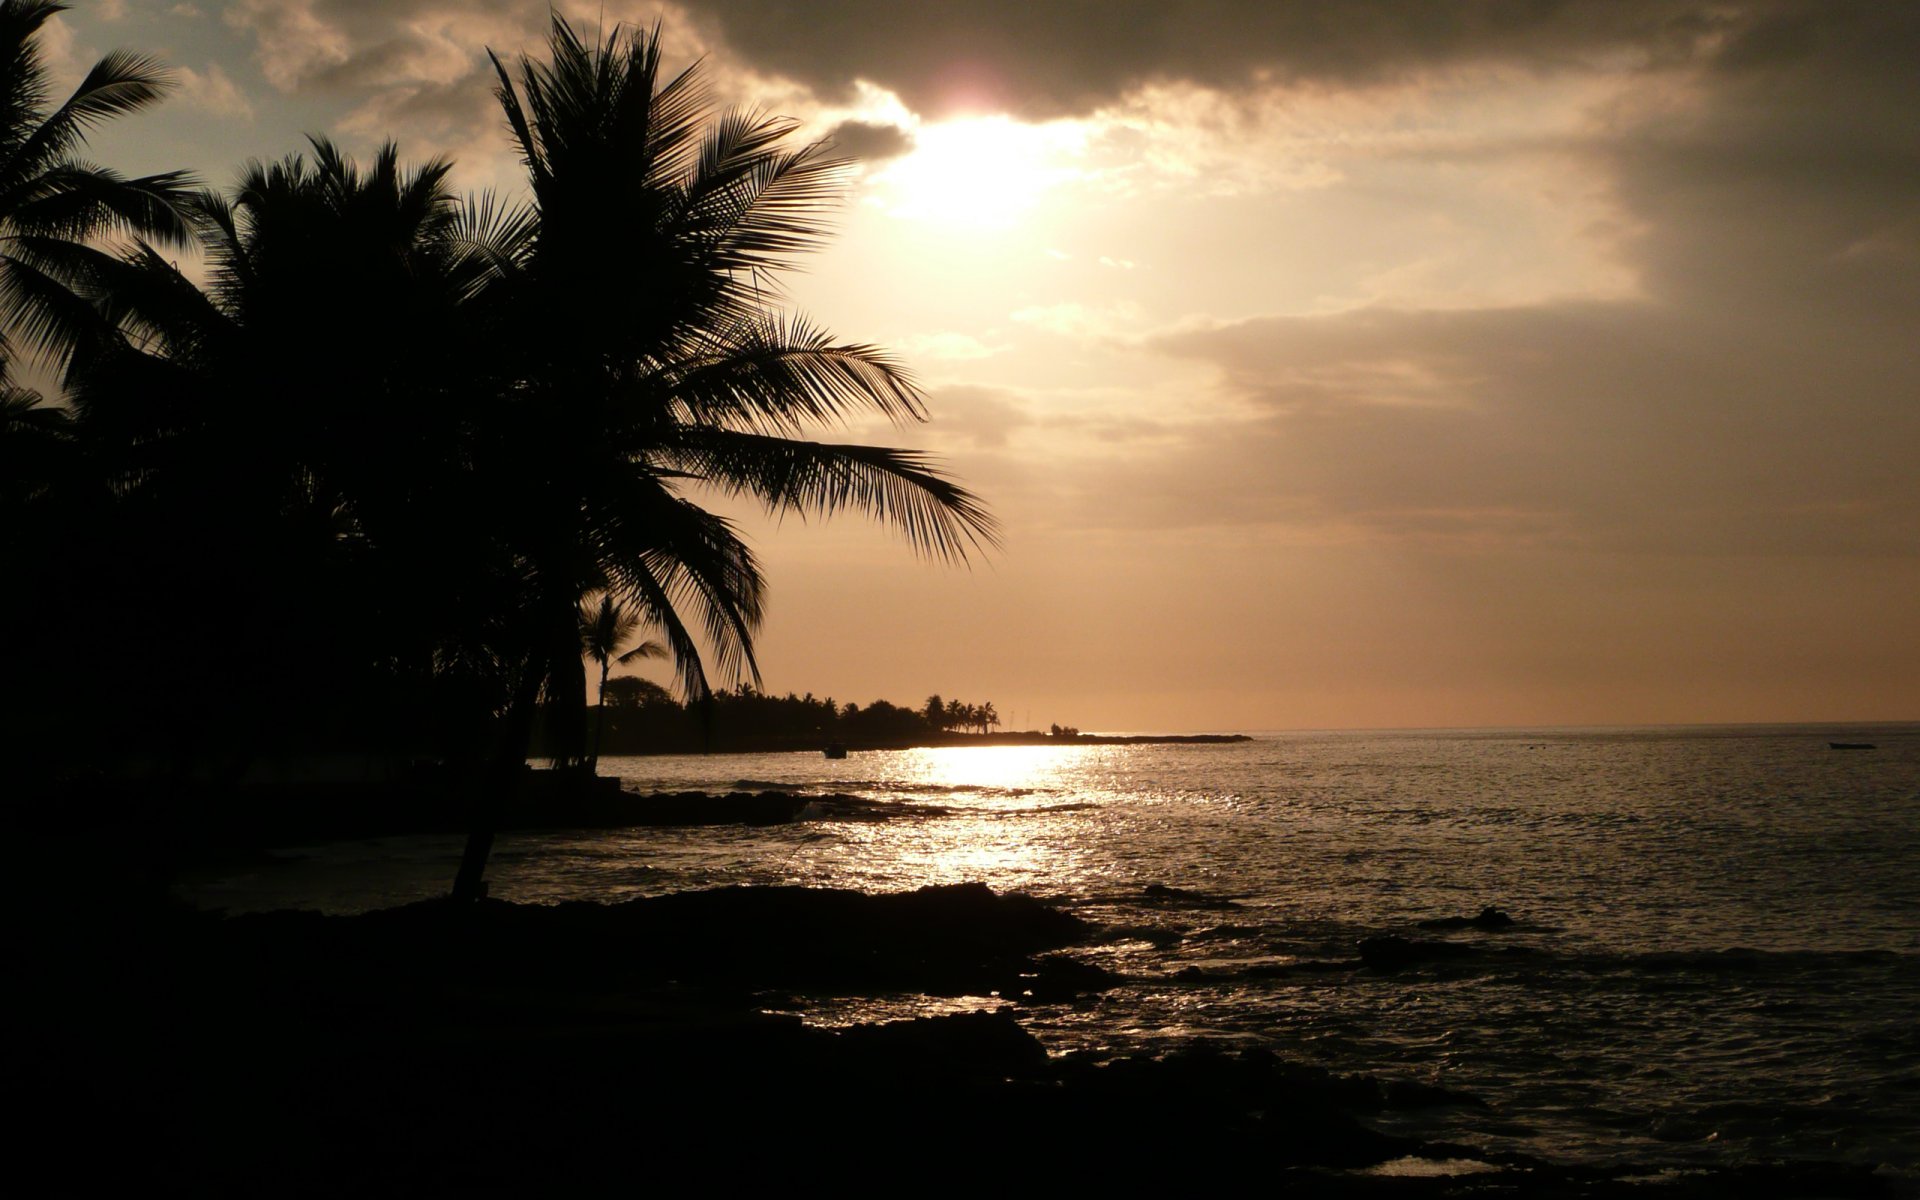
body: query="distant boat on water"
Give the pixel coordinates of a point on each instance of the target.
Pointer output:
(1851, 746)
(835, 750)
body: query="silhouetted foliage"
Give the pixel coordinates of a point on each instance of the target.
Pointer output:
(52, 202)
(641, 717)
(630, 691)
(400, 437)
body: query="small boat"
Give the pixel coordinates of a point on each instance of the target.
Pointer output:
(1851, 746)
(835, 750)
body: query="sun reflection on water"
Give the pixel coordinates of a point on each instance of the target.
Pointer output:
(1003, 769)
(1013, 817)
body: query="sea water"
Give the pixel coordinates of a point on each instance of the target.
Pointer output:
(1715, 960)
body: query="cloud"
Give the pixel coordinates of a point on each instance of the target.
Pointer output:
(870, 141)
(1622, 426)
(1073, 319)
(1753, 396)
(211, 91)
(1793, 177)
(983, 416)
(945, 346)
(1041, 60)
(346, 44)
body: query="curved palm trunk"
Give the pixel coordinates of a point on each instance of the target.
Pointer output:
(599, 718)
(559, 670)
(495, 791)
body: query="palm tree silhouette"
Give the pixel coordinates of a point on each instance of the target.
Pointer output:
(51, 201)
(604, 628)
(654, 359)
(241, 437)
(650, 359)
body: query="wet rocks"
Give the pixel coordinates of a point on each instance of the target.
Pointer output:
(701, 808)
(977, 1044)
(961, 939)
(1489, 919)
(1173, 897)
(1217, 1103)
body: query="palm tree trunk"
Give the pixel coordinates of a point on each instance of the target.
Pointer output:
(600, 718)
(494, 792)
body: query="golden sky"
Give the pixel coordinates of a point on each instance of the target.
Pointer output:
(1340, 363)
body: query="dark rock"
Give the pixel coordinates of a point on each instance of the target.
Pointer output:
(977, 1044)
(1490, 918)
(1205, 1100)
(962, 939)
(699, 808)
(1174, 897)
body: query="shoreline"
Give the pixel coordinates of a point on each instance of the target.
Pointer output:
(943, 741)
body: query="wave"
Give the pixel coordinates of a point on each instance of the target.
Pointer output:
(912, 787)
(844, 806)
(1388, 955)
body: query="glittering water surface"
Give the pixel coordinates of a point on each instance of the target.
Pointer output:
(1718, 954)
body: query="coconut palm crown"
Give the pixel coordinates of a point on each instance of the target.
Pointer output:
(52, 202)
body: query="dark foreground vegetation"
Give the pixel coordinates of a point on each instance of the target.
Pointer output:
(418, 456)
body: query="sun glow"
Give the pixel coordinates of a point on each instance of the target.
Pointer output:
(988, 769)
(977, 172)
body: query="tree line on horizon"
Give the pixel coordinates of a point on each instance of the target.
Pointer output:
(406, 443)
(637, 715)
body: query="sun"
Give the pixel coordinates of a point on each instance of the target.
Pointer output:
(976, 172)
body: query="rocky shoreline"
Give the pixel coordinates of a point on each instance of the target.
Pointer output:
(500, 1047)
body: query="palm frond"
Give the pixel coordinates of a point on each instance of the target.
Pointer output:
(77, 200)
(755, 206)
(901, 488)
(771, 374)
(121, 82)
(38, 305)
(643, 651)
(670, 557)
(488, 244)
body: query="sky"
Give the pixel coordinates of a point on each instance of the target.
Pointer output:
(1328, 364)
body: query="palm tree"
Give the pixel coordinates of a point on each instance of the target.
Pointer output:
(654, 360)
(53, 202)
(294, 437)
(651, 361)
(604, 628)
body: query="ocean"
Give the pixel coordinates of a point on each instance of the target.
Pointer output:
(1714, 960)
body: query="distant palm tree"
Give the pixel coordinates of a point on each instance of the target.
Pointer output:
(52, 202)
(604, 628)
